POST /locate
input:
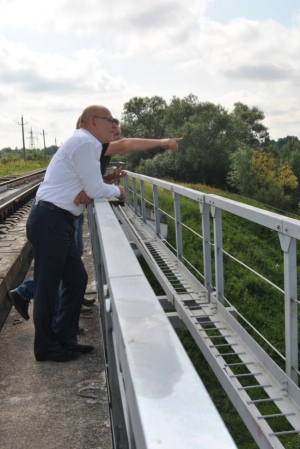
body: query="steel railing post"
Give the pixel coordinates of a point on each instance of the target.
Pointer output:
(126, 187)
(135, 201)
(177, 210)
(204, 209)
(156, 209)
(218, 242)
(288, 246)
(143, 202)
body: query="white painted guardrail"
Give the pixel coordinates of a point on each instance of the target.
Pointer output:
(157, 398)
(288, 230)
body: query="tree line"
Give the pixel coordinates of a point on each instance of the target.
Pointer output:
(8, 155)
(228, 150)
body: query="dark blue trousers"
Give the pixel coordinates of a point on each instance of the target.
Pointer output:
(57, 258)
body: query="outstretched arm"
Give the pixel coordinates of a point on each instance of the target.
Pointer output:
(124, 146)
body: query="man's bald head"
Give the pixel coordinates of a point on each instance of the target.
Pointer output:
(94, 119)
(92, 111)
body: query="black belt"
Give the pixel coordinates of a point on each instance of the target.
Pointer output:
(53, 207)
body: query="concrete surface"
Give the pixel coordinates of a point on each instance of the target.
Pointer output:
(40, 405)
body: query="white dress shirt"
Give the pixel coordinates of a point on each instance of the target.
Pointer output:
(73, 168)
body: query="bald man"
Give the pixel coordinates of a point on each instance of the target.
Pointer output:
(50, 228)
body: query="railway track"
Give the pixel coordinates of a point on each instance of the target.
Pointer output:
(15, 251)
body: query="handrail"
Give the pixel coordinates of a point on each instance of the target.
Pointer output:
(288, 230)
(164, 403)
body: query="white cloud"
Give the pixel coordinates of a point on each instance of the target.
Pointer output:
(33, 14)
(129, 49)
(244, 51)
(94, 16)
(282, 117)
(51, 90)
(258, 64)
(44, 72)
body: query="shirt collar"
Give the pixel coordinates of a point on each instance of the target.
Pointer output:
(84, 131)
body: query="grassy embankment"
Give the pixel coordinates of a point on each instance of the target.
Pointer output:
(21, 167)
(261, 304)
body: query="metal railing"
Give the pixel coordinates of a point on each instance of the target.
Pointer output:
(157, 399)
(142, 192)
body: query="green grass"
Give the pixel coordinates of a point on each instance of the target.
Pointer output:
(21, 167)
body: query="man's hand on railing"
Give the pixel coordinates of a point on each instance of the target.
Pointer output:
(82, 198)
(170, 144)
(122, 193)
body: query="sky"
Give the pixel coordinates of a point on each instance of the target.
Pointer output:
(58, 57)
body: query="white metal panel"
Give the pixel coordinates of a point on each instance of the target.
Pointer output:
(168, 404)
(117, 248)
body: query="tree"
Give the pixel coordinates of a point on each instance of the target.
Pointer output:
(211, 135)
(51, 150)
(143, 117)
(271, 181)
(180, 111)
(247, 126)
(10, 157)
(5, 151)
(290, 146)
(290, 152)
(204, 153)
(281, 142)
(160, 166)
(239, 175)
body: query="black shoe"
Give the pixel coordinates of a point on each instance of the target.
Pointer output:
(88, 302)
(80, 331)
(21, 305)
(85, 309)
(83, 349)
(64, 356)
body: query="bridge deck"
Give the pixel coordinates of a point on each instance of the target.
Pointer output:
(40, 404)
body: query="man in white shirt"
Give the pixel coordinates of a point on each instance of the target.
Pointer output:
(75, 167)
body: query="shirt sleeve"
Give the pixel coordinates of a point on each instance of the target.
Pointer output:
(86, 158)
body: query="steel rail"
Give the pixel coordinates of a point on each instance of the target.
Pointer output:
(16, 253)
(17, 180)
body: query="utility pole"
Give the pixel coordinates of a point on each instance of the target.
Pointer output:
(22, 124)
(31, 139)
(55, 142)
(44, 143)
